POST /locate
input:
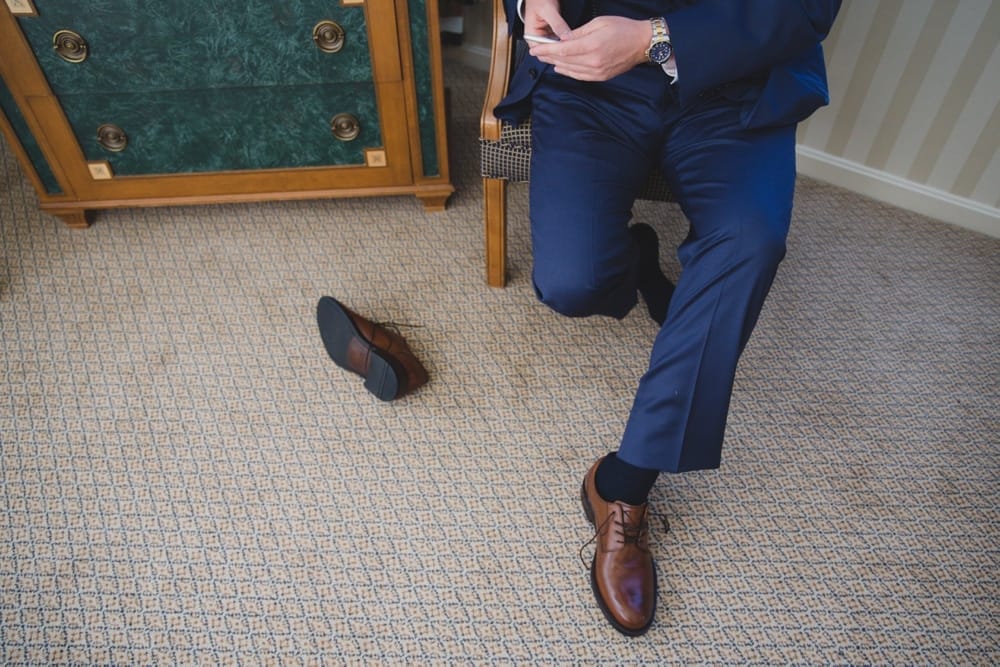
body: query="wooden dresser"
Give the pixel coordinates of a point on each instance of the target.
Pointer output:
(134, 103)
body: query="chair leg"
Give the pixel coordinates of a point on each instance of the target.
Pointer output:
(495, 209)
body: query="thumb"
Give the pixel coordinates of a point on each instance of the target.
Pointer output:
(557, 24)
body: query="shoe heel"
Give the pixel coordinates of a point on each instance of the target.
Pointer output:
(336, 330)
(383, 377)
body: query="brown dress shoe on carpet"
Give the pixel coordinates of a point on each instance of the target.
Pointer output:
(380, 356)
(622, 573)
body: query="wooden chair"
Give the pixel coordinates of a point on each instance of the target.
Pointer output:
(505, 152)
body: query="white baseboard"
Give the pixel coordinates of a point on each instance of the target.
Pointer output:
(899, 192)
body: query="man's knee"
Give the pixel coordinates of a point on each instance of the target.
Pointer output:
(565, 292)
(574, 293)
(762, 241)
(758, 240)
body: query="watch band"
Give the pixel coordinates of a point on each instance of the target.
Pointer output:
(659, 28)
(660, 48)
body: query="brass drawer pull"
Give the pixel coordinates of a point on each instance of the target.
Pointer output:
(112, 138)
(345, 127)
(329, 36)
(70, 46)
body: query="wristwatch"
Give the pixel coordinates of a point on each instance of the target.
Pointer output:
(660, 49)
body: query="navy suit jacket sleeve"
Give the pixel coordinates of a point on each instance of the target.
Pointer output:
(719, 41)
(510, 6)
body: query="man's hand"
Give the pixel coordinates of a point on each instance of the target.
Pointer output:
(542, 17)
(596, 51)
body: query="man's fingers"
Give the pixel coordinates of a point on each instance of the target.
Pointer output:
(556, 23)
(568, 46)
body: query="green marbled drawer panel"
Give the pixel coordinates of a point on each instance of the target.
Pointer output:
(138, 45)
(236, 129)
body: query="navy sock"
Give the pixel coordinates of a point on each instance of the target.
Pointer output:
(655, 288)
(621, 481)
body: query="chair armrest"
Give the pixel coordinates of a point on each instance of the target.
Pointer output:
(501, 69)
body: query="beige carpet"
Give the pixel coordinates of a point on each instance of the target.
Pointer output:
(187, 479)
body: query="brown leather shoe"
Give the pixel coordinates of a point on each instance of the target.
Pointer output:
(622, 573)
(380, 356)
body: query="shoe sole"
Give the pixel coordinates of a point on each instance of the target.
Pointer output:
(337, 329)
(588, 510)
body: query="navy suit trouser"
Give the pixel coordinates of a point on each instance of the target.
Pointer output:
(593, 146)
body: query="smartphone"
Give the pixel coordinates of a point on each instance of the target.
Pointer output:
(541, 39)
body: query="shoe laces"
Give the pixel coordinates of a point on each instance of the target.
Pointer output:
(627, 534)
(396, 326)
(632, 534)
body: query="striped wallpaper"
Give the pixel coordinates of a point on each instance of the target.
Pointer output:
(915, 112)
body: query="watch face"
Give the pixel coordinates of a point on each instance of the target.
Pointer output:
(660, 52)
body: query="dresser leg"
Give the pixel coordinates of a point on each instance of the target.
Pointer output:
(75, 218)
(434, 201)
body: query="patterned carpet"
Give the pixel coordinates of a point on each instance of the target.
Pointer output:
(187, 479)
